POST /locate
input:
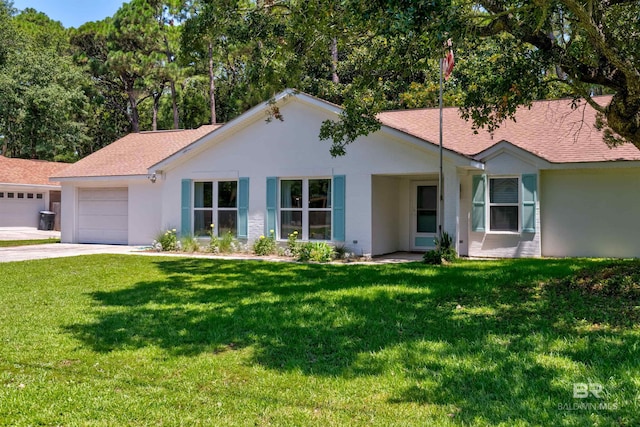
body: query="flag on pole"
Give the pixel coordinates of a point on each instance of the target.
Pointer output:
(446, 67)
(448, 62)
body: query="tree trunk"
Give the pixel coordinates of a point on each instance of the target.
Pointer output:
(134, 117)
(34, 153)
(174, 95)
(156, 107)
(5, 145)
(174, 104)
(212, 86)
(334, 60)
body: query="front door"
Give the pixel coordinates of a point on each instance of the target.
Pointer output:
(424, 215)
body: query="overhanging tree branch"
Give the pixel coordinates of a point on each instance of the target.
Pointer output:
(597, 36)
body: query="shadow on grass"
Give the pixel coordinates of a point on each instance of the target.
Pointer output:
(485, 337)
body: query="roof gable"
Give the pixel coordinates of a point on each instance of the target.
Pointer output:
(28, 172)
(513, 150)
(268, 109)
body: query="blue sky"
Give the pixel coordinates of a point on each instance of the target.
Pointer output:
(72, 13)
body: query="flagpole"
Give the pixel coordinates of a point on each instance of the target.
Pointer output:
(441, 176)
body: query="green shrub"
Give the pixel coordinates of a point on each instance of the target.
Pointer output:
(167, 241)
(214, 245)
(190, 244)
(315, 251)
(227, 243)
(433, 257)
(214, 241)
(446, 247)
(340, 252)
(293, 246)
(265, 245)
(444, 251)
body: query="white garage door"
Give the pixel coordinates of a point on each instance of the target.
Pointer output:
(102, 215)
(20, 209)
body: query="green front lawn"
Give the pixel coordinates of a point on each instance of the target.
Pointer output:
(137, 340)
(12, 243)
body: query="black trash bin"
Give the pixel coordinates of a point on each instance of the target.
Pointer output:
(47, 220)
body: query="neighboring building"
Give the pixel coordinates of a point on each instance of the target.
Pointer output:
(545, 185)
(25, 190)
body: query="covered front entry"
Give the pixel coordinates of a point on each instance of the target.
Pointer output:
(404, 213)
(103, 215)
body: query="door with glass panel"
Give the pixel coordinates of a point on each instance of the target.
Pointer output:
(424, 221)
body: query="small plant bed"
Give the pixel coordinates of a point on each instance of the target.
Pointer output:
(14, 243)
(264, 246)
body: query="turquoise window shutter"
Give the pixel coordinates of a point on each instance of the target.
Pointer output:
(529, 199)
(243, 208)
(185, 223)
(478, 203)
(272, 205)
(339, 219)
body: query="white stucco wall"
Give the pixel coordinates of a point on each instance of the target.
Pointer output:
(591, 212)
(291, 148)
(358, 213)
(464, 214)
(452, 208)
(145, 212)
(501, 244)
(405, 219)
(68, 212)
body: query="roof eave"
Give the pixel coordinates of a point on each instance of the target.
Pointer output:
(42, 186)
(602, 164)
(543, 163)
(99, 178)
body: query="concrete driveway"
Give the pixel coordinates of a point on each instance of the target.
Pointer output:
(26, 233)
(50, 250)
(59, 250)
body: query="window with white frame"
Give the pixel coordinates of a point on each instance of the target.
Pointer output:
(305, 207)
(504, 204)
(215, 202)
